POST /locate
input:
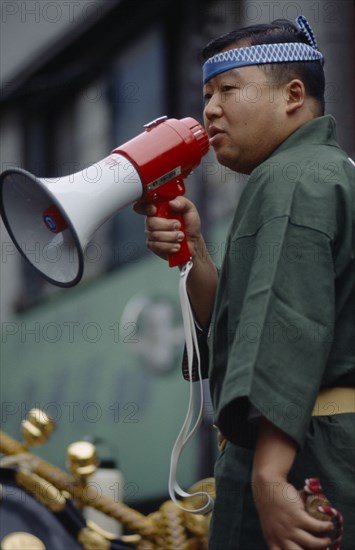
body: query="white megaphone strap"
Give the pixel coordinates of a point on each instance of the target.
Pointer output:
(186, 431)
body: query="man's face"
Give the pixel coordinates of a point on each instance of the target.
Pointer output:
(244, 116)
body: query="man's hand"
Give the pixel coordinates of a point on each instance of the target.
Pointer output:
(164, 237)
(284, 521)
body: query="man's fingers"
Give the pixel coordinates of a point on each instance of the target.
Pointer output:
(163, 249)
(323, 527)
(165, 236)
(306, 540)
(312, 531)
(145, 209)
(179, 204)
(316, 526)
(155, 224)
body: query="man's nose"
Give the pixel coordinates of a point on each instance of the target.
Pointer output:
(213, 108)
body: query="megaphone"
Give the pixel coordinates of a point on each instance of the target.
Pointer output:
(52, 220)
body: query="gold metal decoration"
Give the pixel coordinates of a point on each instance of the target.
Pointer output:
(21, 540)
(129, 539)
(198, 524)
(168, 528)
(42, 490)
(312, 503)
(81, 459)
(173, 530)
(36, 428)
(87, 496)
(92, 540)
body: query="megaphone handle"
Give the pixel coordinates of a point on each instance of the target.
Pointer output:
(184, 254)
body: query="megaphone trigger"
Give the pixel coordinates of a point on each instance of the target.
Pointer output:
(183, 255)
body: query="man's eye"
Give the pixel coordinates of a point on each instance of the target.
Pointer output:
(206, 98)
(228, 88)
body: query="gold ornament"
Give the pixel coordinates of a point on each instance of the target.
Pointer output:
(21, 540)
(81, 458)
(312, 504)
(37, 427)
(42, 490)
(92, 540)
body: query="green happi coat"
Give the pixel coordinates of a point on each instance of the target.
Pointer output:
(284, 327)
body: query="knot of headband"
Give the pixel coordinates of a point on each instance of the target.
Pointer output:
(265, 53)
(306, 29)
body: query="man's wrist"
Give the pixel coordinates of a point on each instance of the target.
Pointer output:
(274, 454)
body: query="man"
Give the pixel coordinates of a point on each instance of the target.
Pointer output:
(283, 324)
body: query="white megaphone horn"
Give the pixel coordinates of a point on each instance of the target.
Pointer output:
(52, 220)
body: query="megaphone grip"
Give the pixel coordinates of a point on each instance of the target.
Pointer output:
(183, 255)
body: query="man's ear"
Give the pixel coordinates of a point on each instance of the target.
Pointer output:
(295, 95)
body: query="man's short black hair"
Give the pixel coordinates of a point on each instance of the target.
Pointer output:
(279, 31)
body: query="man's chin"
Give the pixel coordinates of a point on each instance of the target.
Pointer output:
(225, 159)
(233, 164)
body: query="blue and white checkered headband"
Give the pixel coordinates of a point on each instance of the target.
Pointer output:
(264, 53)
